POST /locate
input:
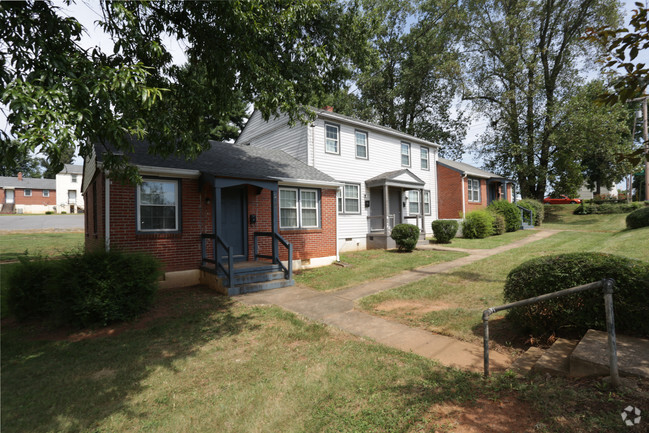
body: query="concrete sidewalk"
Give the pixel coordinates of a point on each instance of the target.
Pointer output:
(337, 309)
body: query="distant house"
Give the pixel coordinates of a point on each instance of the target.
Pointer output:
(27, 195)
(463, 188)
(586, 193)
(388, 177)
(238, 218)
(68, 189)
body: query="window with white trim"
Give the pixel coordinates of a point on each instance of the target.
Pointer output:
(158, 206)
(299, 208)
(427, 210)
(405, 154)
(46, 193)
(332, 138)
(424, 158)
(349, 201)
(474, 190)
(361, 144)
(413, 202)
(74, 178)
(28, 193)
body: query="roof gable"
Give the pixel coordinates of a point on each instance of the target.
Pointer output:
(470, 170)
(403, 178)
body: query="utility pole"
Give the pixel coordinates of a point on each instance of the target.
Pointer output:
(645, 137)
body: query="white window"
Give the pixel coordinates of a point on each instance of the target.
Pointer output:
(405, 154)
(350, 200)
(413, 202)
(474, 190)
(361, 144)
(46, 193)
(427, 203)
(158, 205)
(424, 158)
(298, 208)
(28, 193)
(332, 139)
(74, 178)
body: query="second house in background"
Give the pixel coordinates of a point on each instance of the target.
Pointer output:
(389, 177)
(68, 189)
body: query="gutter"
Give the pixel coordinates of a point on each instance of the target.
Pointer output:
(463, 199)
(298, 182)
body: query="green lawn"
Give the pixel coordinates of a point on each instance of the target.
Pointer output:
(369, 265)
(218, 366)
(560, 217)
(13, 246)
(491, 241)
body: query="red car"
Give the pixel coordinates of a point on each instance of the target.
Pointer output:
(563, 199)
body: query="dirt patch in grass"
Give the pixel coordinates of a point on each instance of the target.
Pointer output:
(415, 307)
(507, 414)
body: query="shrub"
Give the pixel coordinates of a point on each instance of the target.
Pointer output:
(499, 226)
(478, 224)
(536, 207)
(591, 207)
(445, 230)
(48, 212)
(583, 310)
(63, 212)
(509, 211)
(93, 288)
(638, 218)
(406, 236)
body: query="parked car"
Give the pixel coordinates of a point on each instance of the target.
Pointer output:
(563, 199)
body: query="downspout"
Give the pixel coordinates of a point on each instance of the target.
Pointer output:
(463, 199)
(337, 241)
(107, 212)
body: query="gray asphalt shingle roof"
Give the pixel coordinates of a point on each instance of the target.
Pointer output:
(230, 160)
(469, 169)
(390, 175)
(27, 182)
(72, 169)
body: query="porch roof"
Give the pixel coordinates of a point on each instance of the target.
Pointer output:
(471, 170)
(401, 178)
(232, 161)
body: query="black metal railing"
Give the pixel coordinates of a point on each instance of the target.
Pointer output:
(607, 286)
(529, 213)
(275, 239)
(216, 261)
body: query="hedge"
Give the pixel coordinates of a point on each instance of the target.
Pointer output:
(444, 230)
(478, 224)
(583, 310)
(638, 218)
(406, 236)
(509, 211)
(588, 208)
(88, 289)
(499, 226)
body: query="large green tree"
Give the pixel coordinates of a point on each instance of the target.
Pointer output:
(276, 54)
(523, 63)
(16, 158)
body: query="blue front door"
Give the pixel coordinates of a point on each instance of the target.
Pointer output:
(233, 220)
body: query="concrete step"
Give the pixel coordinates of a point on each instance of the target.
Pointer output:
(524, 364)
(257, 287)
(257, 277)
(556, 360)
(527, 226)
(590, 357)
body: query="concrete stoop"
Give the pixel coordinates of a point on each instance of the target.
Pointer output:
(588, 357)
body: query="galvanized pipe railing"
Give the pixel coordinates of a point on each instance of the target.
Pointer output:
(607, 286)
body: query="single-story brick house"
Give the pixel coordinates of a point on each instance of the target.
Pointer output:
(462, 188)
(273, 213)
(27, 195)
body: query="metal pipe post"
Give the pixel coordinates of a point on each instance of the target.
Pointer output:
(608, 287)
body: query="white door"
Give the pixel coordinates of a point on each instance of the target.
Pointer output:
(72, 196)
(9, 196)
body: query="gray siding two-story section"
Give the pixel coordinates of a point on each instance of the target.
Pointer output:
(380, 178)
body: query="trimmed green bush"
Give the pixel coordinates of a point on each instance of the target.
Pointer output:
(478, 224)
(638, 218)
(536, 207)
(499, 226)
(93, 288)
(509, 211)
(445, 230)
(583, 310)
(589, 207)
(406, 236)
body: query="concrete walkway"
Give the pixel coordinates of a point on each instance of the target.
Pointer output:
(337, 309)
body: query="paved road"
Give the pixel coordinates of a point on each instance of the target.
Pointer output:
(41, 222)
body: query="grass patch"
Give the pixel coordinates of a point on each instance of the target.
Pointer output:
(369, 265)
(16, 245)
(491, 241)
(452, 303)
(219, 366)
(560, 217)
(5, 268)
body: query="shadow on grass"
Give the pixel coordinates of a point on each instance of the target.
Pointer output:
(71, 386)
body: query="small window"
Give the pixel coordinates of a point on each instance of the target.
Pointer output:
(298, 208)
(413, 202)
(427, 203)
(74, 178)
(361, 144)
(474, 190)
(158, 206)
(28, 193)
(405, 154)
(288, 208)
(309, 207)
(424, 158)
(350, 200)
(46, 193)
(332, 139)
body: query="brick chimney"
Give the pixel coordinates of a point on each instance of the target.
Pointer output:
(328, 108)
(20, 175)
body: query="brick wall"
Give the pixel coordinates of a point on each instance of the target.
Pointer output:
(449, 192)
(95, 225)
(36, 197)
(472, 205)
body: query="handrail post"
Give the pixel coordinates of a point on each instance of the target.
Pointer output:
(202, 251)
(485, 325)
(230, 267)
(608, 286)
(256, 246)
(290, 261)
